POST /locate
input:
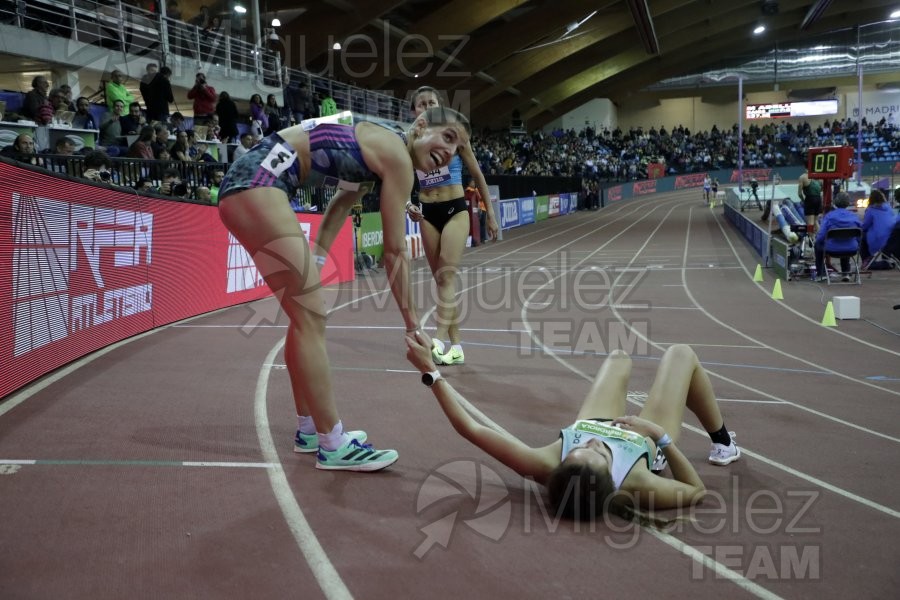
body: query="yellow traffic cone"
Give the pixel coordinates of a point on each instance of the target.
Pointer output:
(828, 319)
(776, 291)
(758, 275)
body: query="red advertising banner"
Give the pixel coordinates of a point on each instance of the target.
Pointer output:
(691, 180)
(896, 168)
(760, 174)
(614, 194)
(648, 186)
(89, 266)
(656, 170)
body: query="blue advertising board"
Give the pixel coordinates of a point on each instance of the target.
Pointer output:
(509, 213)
(526, 210)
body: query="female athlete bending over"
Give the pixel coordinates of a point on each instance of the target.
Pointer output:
(602, 461)
(253, 205)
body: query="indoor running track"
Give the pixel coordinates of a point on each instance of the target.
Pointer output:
(162, 467)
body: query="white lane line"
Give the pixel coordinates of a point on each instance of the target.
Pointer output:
(326, 575)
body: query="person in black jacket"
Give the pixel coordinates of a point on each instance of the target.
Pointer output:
(227, 112)
(157, 93)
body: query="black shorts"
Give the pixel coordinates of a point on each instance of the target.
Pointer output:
(270, 163)
(440, 213)
(812, 205)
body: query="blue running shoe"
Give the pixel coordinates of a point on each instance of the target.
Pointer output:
(354, 456)
(307, 443)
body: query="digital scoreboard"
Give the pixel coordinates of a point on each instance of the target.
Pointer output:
(830, 162)
(785, 110)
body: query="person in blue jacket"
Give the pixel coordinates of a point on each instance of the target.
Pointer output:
(878, 222)
(839, 217)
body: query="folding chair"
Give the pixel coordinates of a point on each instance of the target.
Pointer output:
(843, 234)
(890, 253)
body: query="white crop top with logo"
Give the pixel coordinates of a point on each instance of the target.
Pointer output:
(627, 447)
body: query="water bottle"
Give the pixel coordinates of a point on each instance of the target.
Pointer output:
(812, 272)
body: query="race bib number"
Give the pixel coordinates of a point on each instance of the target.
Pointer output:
(279, 159)
(432, 178)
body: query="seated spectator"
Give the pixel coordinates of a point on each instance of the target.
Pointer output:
(200, 153)
(839, 217)
(160, 141)
(181, 149)
(35, 98)
(97, 165)
(141, 148)
(878, 222)
(172, 185)
(116, 91)
(63, 147)
(111, 127)
(22, 149)
(83, 118)
(244, 147)
(202, 194)
(214, 130)
(134, 120)
(143, 185)
(217, 176)
(176, 122)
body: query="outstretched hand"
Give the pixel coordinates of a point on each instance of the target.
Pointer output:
(641, 426)
(418, 351)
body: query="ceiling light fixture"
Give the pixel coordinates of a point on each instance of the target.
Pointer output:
(895, 14)
(239, 9)
(759, 29)
(336, 46)
(276, 22)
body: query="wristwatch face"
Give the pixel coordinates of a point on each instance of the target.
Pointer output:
(428, 379)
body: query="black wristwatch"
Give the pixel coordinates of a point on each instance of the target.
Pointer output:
(431, 378)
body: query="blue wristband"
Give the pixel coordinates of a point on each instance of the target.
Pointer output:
(664, 441)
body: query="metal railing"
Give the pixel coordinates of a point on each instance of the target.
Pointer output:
(121, 27)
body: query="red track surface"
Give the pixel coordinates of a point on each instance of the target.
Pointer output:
(811, 510)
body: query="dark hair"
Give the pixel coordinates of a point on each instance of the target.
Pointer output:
(422, 90)
(440, 115)
(842, 200)
(165, 71)
(577, 491)
(96, 159)
(877, 197)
